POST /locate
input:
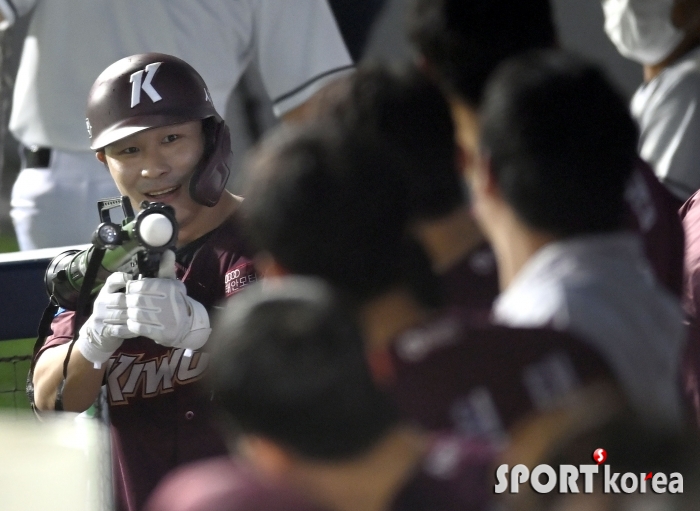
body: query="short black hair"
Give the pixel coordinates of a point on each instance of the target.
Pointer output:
(561, 141)
(288, 363)
(329, 203)
(464, 40)
(409, 112)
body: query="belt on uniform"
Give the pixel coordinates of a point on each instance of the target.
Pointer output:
(36, 157)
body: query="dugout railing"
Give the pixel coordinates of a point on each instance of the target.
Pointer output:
(23, 298)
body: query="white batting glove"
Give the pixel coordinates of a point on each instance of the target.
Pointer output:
(160, 309)
(106, 328)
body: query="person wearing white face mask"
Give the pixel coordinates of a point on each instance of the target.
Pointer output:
(663, 36)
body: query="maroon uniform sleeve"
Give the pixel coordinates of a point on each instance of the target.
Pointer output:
(221, 485)
(61, 330)
(690, 216)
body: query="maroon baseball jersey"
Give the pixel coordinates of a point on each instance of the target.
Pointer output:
(473, 281)
(222, 484)
(455, 475)
(159, 416)
(479, 379)
(653, 212)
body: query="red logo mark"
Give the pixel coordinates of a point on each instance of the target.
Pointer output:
(600, 455)
(648, 476)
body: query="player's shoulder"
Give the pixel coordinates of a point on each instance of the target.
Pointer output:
(222, 484)
(61, 330)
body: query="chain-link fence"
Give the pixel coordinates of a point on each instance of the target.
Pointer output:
(15, 358)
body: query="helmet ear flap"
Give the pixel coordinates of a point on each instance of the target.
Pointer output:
(210, 177)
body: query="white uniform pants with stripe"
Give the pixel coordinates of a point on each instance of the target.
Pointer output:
(57, 206)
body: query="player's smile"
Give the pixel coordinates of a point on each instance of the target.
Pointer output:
(163, 195)
(167, 194)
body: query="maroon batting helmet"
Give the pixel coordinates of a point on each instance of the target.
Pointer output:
(152, 90)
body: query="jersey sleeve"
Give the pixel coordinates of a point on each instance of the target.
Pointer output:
(13, 9)
(690, 215)
(61, 330)
(298, 49)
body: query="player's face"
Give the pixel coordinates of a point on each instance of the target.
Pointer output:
(156, 165)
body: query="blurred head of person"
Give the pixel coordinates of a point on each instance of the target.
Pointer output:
(327, 202)
(461, 42)
(289, 371)
(405, 109)
(558, 146)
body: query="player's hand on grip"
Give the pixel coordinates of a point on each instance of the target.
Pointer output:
(160, 309)
(106, 328)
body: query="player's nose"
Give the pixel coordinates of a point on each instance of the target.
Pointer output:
(156, 165)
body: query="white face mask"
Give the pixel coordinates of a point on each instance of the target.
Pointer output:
(641, 29)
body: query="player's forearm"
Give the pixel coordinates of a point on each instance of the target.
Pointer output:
(82, 383)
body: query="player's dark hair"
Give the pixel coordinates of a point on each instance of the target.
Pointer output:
(562, 144)
(406, 110)
(289, 364)
(464, 40)
(329, 203)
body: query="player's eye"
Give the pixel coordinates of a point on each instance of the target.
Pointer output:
(129, 150)
(171, 138)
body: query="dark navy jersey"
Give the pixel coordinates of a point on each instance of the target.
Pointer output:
(479, 379)
(159, 416)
